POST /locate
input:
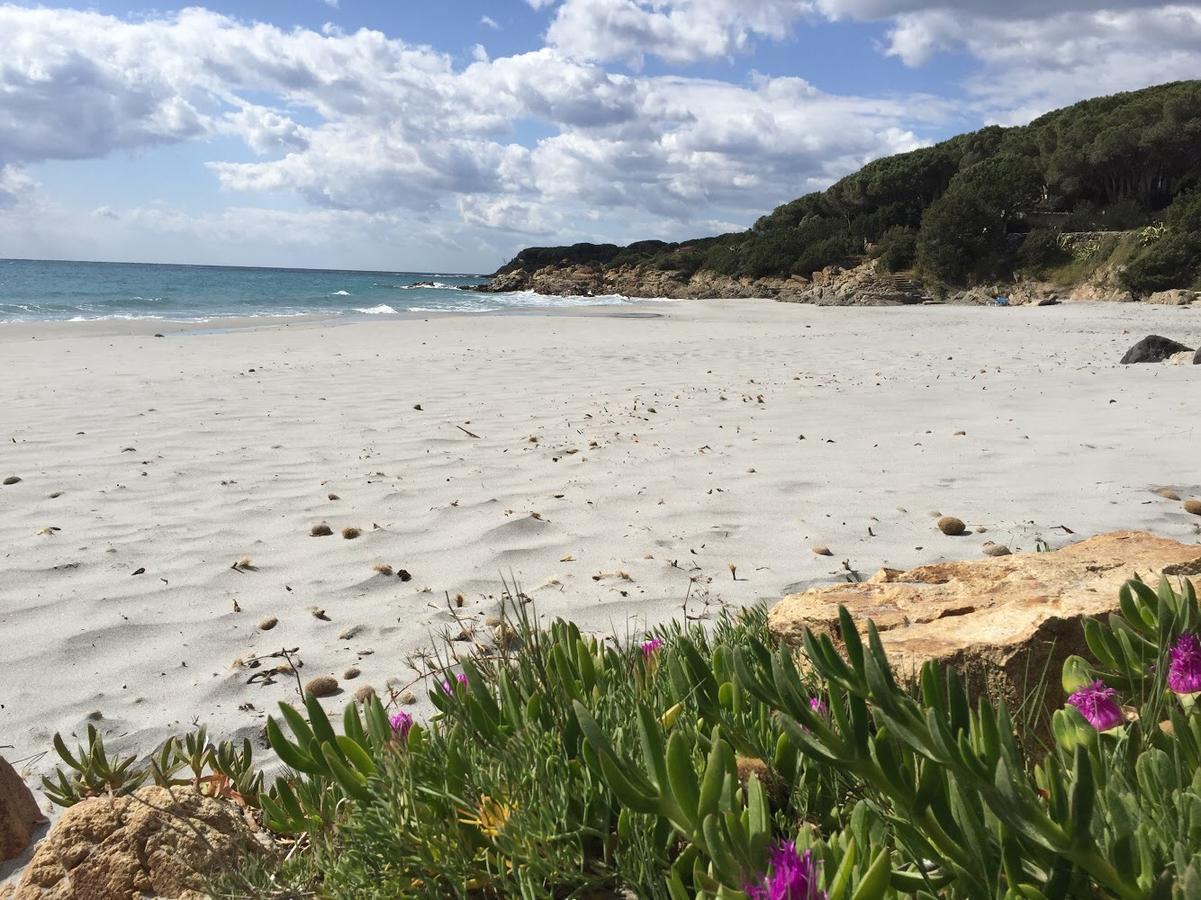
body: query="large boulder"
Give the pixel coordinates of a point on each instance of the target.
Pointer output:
(1152, 349)
(19, 813)
(1174, 297)
(155, 842)
(1002, 621)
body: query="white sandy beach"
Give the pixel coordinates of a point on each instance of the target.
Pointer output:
(667, 445)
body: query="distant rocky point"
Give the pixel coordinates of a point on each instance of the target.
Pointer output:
(1057, 209)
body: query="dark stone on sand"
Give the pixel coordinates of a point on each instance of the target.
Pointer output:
(12, 479)
(1153, 348)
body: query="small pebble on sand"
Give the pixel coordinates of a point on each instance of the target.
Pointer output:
(1168, 494)
(952, 526)
(383, 568)
(334, 497)
(1193, 506)
(12, 479)
(322, 686)
(351, 673)
(364, 693)
(822, 551)
(268, 623)
(321, 530)
(991, 549)
(350, 532)
(408, 698)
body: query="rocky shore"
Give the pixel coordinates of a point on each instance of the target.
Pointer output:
(860, 285)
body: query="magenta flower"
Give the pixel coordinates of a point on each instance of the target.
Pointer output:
(401, 723)
(651, 647)
(790, 876)
(448, 689)
(818, 706)
(1184, 674)
(1098, 704)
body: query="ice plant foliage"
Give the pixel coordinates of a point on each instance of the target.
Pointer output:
(791, 876)
(1184, 674)
(1099, 706)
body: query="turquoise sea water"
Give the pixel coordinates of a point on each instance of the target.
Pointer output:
(39, 290)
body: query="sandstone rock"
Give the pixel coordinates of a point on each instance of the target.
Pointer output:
(364, 693)
(999, 621)
(268, 623)
(351, 673)
(951, 526)
(1174, 297)
(1152, 349)
(822, 551)
(155, 842)
(19, 813)
(1193, 506)
(1168, 494)
(322, 686)
(991, 549)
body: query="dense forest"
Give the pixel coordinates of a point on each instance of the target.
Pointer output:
(985, 205)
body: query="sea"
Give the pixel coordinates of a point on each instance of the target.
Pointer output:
(43, 290)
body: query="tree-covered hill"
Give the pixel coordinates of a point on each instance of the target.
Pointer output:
(980, 206)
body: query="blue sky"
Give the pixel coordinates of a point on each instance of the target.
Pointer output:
(446, 136)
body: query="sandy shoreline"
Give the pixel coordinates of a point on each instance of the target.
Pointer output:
(664, 447)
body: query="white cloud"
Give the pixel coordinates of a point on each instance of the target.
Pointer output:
(14, 186)
(369, 131)
(678, 31)
(489, 22)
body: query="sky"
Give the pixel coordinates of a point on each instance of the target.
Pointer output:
(444, 136)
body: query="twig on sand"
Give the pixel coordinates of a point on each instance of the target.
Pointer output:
(287, 655)
(468, 433)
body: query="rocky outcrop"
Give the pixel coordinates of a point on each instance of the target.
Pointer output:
(153, 842)
(19, 813)
(833, 286)
(1174, 297)
(1001, 621)
(590, 280)
(1154, 348)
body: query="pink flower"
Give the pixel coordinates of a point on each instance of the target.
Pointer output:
(790, 876)
(1099, 706)
(818, 706)
(1184, 674)
(651, 647)
(448, 689)
(401, 722)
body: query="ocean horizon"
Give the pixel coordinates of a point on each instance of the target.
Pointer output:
(33, 290)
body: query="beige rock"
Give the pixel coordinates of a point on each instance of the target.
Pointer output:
(951, 526)
(155, 842)
(991, 549)
(1168, 494)
(1174, 297)
(19, 813)
(1193, 506)
(822, 551)
(1000, 621)
(268, 623)
(364, 693)
(322, 686)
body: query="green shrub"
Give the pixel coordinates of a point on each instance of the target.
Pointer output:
(1040, 251)
(897, 249)
(1173, 261)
